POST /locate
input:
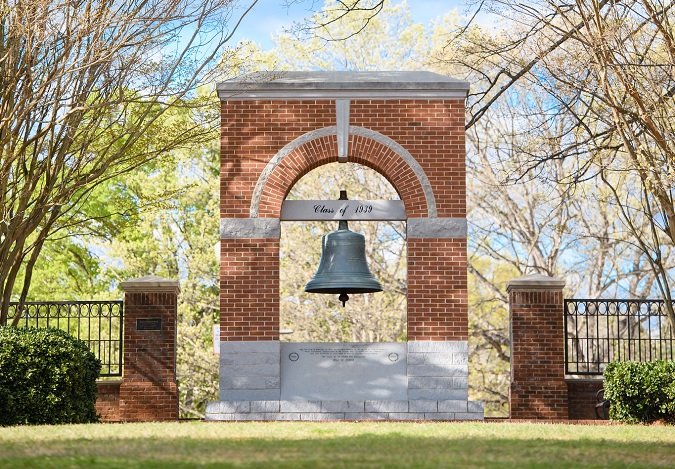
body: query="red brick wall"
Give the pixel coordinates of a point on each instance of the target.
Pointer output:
(108, 401)
(249, 292)
(432, 131)
(437, 289)
(582, 398)
(149, 391)
(252, 132)
(538, 388)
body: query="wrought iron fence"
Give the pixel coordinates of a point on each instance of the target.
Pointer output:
(598, 332)
(98, 323)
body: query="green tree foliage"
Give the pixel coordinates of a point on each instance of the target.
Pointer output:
(489, 352)
(69, 266)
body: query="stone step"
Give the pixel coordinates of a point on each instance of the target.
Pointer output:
(345, 410)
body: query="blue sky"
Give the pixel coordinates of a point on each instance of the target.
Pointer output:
(271, 16)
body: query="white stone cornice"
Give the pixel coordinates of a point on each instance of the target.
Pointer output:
(150, 283)
(535, 282)
(342, 85)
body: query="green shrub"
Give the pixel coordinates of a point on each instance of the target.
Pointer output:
(46, 377)
(641, 392)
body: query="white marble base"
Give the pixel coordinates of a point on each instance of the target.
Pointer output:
(423, 380)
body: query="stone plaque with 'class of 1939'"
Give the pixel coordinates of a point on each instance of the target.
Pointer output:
(308, 210)
(343, 371)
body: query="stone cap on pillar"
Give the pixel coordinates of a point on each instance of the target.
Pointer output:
(535, 282)
(151, 283)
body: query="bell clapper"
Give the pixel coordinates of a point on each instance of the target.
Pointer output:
(343, 297)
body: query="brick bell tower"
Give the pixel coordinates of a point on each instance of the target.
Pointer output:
(409, 127)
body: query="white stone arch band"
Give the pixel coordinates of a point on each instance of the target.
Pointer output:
(353, 130)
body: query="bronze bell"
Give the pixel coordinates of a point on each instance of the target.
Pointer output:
(343, 268)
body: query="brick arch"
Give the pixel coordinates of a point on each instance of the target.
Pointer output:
(319, 147)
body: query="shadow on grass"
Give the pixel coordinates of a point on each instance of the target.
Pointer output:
(364, 451)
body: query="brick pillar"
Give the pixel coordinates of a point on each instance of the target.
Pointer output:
(249, 309)
(438, 318)
(149, 391)
(538, 389)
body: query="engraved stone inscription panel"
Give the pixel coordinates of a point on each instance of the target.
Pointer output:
(343, 371)
(300, 210)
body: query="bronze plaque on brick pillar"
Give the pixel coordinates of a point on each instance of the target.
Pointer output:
(149, 324)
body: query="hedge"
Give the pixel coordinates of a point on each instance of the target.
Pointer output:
(46, 377)
(641, 392)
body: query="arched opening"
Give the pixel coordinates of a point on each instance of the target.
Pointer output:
(374, 317)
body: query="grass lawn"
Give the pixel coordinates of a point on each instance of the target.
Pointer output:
(336, 445)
